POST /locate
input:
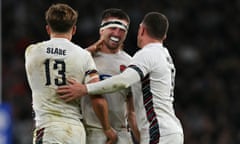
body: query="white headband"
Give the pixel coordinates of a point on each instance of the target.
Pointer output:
(114, 23)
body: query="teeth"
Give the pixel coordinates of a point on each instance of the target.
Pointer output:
(114, 39)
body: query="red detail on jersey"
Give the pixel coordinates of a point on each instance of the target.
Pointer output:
(122, 68)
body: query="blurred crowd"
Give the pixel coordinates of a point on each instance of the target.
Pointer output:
(203, 39)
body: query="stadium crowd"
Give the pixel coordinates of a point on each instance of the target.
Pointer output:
(203, 40)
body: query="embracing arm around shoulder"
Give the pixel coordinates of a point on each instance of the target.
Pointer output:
(76, 90)
(115, 83)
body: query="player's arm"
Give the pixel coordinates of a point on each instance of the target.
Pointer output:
(132, 118)
(75, 90)
(100, 107)
(118, 82)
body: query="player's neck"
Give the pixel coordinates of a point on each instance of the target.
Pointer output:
(104, 49)
(61, 35)
(148, 40)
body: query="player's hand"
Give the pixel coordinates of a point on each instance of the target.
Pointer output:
(95, 47)
(111, 136)
(71, 91)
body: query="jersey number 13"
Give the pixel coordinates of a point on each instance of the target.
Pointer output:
(59, 67)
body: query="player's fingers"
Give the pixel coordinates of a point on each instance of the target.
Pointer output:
(102, 38)
(109, 141)
(69, 99)
(98, 44)
(111, 135)
(62, 90)
(66, 97)
(100, 41)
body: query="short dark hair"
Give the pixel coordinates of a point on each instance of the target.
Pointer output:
(114, 12)
(156, 24)
(61, 17)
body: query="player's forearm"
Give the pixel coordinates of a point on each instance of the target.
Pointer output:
(100, 108)
(95, 47)
(115, 83)
(133, 125)
(132, 118)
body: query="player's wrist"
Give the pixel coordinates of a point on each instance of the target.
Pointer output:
(107, 128)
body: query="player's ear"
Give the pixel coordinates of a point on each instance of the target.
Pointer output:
(48, 29)
(74, 29)
(101, 31)
(141, 30)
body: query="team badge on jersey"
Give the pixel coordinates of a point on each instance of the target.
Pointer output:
(122, 68)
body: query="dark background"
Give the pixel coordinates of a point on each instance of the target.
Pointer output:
(203, 40)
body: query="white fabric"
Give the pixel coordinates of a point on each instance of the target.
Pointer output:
(108, 65)
(155, 60)
(118, 82)
(65, 60)
(60, 133)
(152, 61)
(176, 138)
(115, 25)
(97, 136)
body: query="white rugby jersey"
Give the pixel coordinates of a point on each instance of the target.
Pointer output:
(153, 97)
(109, 65)
(48, 64)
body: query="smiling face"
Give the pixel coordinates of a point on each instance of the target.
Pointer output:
(114, 32)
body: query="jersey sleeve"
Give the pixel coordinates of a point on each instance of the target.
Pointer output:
(91, 70)
(115, 83)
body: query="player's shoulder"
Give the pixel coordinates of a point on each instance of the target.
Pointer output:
(34, 46)
(78, 50)
(81, 49)
(149, 51)
(125, 54)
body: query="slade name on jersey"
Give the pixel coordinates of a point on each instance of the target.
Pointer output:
(57, 51)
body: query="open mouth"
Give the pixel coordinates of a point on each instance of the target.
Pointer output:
(115, 39)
